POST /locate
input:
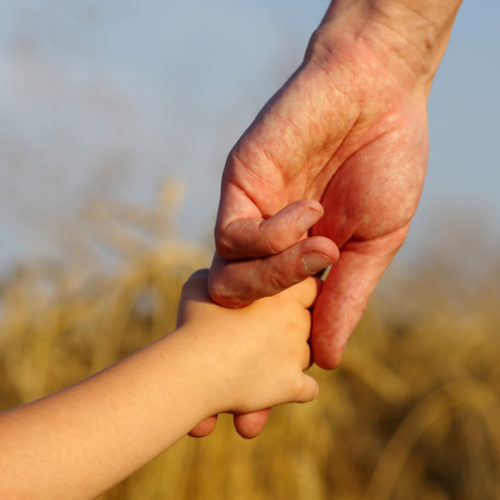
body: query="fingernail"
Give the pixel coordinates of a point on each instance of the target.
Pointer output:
(307, 219)
(315, 262)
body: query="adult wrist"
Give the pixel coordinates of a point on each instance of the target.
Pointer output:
(408, 37)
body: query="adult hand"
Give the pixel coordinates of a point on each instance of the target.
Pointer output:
(347, 135)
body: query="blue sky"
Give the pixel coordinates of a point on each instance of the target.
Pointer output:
(106, 100)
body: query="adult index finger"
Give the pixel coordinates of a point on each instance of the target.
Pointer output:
(261, 235)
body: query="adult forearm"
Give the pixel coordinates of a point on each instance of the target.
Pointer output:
(409, 36)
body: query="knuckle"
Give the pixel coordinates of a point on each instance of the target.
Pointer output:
(217, 291)
(223, 243)
(223, 294)
(269, 243)
(335, 361)
(278, 280)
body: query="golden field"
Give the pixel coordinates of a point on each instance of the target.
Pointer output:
(413, 412)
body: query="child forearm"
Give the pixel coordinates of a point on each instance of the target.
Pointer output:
(81, 441)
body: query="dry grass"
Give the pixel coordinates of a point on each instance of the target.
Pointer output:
(413, 413)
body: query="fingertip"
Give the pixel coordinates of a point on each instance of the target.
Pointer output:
(204, 428)
(315, 389)
(250, 425)
(322, 254)
(328, 360)
(311, 389)
(307, 291)
(328, 340)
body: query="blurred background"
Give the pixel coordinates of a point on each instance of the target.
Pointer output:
(115, 121)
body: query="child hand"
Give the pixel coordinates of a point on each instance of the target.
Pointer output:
(253, 357)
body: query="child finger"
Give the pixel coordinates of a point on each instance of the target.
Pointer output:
(307, 389)
(204, 428)
(250, 425)
(307, 359)
(307, 291)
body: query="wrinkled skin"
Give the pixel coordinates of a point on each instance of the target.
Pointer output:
(346, 135)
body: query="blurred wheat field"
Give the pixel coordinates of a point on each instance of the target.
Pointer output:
(413, 412)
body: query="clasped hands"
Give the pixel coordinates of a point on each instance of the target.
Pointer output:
(329, 173)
